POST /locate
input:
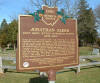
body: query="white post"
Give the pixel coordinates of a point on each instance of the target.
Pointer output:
(78, 69)
(51, 81)
(1, 71)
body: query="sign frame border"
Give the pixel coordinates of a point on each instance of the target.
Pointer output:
(18, 62)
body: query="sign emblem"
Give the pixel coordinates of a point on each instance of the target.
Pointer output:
(50, 17)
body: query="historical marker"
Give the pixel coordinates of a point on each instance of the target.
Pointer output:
(46, 41)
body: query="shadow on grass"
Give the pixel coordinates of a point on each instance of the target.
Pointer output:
(38, 80)
(11, 71)
(90, 60)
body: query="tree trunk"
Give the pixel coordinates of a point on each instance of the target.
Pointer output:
(14, 47)
(8, 46)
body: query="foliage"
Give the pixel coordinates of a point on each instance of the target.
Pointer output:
(8, 33)
(97, 11)
(71, 7)
(3, 34)
(12, 33)
(86, 24)
(98, 41)
(97, 14)
(86, 21)
(36, 15)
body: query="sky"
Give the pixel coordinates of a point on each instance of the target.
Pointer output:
(12, 8)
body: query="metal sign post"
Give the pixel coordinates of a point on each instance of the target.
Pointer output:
(51, 76)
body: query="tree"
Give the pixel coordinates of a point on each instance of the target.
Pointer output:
(86, 24)
(12, 33)
(71, 7)
(37, 4)
(4, 25)
(3, 34)
(3, 42)
(97, 14)
(98, 41)
(97, 11)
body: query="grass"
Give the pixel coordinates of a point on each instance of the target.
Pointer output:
(8, 62)
(8, 52)
(84, 51)
(87, 75)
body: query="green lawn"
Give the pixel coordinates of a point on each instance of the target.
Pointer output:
(83, 51)
(87, 75)
(8, 62)
(8, 52)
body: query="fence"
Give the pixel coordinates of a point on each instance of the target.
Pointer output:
(82, 58)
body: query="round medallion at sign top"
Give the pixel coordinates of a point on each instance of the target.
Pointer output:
(26, 64)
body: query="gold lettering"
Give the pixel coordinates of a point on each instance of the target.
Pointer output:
(50, 11)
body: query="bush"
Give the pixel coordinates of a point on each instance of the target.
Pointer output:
(98, 41)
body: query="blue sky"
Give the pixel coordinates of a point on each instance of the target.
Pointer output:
(11, 8)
